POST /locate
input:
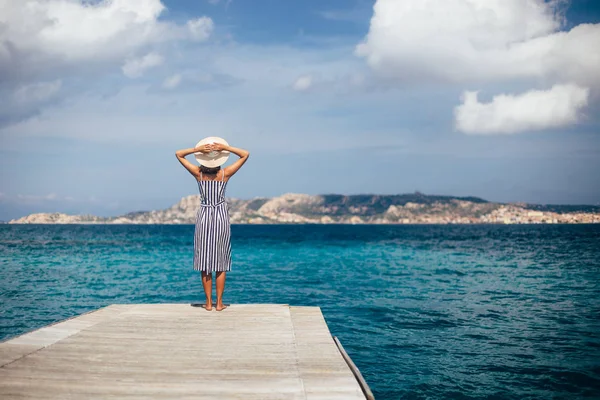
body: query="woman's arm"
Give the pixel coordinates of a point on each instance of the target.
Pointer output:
(233, 168)
(194, 169)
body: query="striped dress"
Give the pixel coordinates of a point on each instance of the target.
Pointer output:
(212, 235)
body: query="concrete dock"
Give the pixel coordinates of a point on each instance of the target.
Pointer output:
(176, 351)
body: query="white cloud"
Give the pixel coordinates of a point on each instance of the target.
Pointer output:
(200, 28)
(37, 92)
(71, 30)
(62, 40)
(479, 41)
(534, 110)
(135, 68)
(303, 83)
(172, 81)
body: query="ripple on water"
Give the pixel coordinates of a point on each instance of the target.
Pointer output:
(426, 312)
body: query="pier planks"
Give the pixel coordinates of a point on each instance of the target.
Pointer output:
(175, 351)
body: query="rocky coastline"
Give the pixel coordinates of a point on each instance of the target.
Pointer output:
(292, 208)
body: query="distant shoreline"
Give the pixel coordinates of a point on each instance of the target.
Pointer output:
(293, 208)
(327, 224)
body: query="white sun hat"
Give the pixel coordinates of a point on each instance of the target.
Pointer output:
(214, 158)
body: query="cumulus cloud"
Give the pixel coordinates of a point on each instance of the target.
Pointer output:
(71, 31)
(534, 110)
(172, 81)
(200, 28)
(478, 42)
(76, 31)
(57, 40)
(303, 83)
(470, 40)
(135, 68)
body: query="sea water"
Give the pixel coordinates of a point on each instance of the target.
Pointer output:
(425, 312)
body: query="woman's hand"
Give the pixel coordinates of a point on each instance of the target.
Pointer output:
(205, 148)
(218, 146)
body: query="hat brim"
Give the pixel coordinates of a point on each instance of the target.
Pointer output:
(214, 158)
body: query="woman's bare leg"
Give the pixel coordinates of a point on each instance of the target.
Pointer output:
(220, 289)
(207, 283)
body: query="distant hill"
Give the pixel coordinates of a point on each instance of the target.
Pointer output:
(377, 204)
(414, 208)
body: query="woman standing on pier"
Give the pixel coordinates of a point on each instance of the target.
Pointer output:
(212, 235)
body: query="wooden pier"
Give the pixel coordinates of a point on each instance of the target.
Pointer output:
(175, 351)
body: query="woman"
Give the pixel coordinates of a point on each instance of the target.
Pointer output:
(212, 244)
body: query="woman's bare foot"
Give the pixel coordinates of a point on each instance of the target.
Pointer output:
(208, 306)
(221, 306)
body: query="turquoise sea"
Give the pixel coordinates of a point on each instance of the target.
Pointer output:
(425, 312)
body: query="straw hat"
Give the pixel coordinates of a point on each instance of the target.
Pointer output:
(214, 158)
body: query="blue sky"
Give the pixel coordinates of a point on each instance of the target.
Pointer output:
(498, 101)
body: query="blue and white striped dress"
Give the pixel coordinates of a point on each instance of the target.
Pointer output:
(212, 236)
